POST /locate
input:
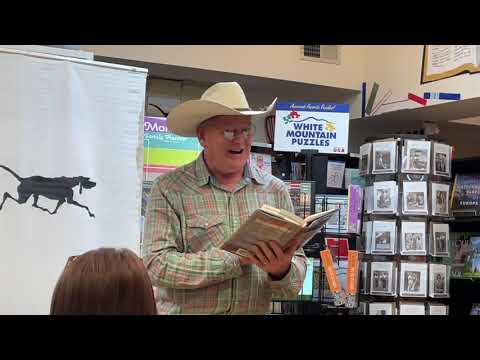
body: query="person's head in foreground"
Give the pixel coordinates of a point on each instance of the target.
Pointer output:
(104, 282)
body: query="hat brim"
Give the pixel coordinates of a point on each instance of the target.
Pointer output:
(185, 118)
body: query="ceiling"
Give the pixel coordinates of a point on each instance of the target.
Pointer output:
(282, 89)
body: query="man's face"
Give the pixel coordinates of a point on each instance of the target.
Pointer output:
(225, 146)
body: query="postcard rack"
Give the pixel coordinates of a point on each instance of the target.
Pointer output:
(405, 237)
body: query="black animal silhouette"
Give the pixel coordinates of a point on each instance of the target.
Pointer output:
(59, 188)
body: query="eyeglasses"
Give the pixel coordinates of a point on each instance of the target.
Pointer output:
(230, 134)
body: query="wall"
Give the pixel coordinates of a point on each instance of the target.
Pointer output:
(168, 93)
(399, 68)
(395, 67)
(271, 61)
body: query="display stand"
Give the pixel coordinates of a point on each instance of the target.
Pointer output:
(303, 193)
(404, 268)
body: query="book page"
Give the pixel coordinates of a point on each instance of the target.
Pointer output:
(317, 220)
(261, 226)
(443, 58)
(282, 214)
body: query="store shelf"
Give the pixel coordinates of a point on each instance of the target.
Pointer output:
(439, 113)
(260, 144)
(464, 219)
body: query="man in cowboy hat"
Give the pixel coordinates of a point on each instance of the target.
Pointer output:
(194, 209)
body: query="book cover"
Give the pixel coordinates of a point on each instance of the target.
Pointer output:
(459, 248)
(262, 161)
(338, 247)
(472, 263)
(353, 177)
(466, 194)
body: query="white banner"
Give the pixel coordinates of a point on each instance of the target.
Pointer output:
(72, 169)
(312, 126)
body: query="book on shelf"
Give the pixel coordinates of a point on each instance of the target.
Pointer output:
(353, 177)
(354, 208)
(271, 224)
(466, 194)
(472, 263)
(302, 194)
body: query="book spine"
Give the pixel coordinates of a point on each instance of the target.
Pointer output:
(364, 95)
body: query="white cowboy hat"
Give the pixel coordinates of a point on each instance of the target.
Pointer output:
(224, 98)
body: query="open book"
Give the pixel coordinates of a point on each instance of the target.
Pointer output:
(269, 223)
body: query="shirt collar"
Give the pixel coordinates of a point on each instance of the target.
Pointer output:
(203, 175)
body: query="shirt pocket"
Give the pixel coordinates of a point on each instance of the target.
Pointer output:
(204, 232)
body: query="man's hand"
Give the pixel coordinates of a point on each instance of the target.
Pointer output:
(269, 257)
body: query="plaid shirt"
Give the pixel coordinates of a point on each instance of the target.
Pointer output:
(189, 216)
